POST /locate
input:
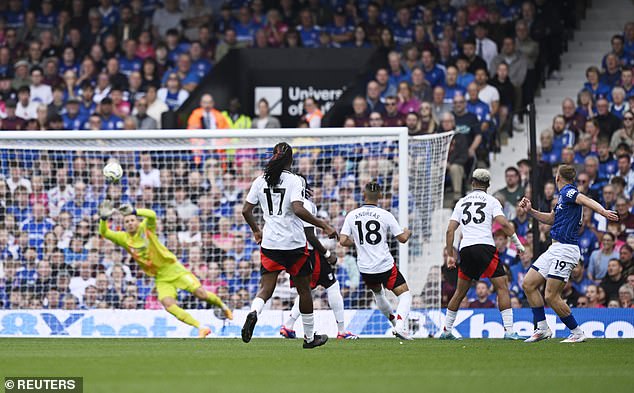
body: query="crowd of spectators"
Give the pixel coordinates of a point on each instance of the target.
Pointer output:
(595, 134)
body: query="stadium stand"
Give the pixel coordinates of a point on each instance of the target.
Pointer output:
(469, 66)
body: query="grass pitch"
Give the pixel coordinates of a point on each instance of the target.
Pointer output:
(365, 365)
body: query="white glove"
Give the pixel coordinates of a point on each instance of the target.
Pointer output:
(106, 209)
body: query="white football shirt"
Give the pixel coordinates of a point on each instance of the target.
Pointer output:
(310, 206)
(475, 213)
(368, 226)
(283, 230)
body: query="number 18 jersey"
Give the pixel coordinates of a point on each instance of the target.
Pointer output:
(283, 230)
(368, 226)
(475, 213)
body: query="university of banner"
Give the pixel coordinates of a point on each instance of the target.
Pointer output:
(597, 323)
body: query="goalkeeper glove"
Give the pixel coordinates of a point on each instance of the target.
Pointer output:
(106, 209)
(127, 209)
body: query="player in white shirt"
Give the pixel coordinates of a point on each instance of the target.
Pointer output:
(475, 214)
(322, 261)
(367, 228)
(280, 195)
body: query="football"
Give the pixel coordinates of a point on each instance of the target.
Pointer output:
(113, 172)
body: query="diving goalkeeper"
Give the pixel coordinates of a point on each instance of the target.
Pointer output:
(140, 241)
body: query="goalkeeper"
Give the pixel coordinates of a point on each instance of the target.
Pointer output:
(140, 241)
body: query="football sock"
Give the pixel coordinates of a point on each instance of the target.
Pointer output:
(383, 305)
(450, 319)
(183, 315)
(257, 305)
(290, 322)
(309, 326)
(214, 300)
(507, 320)
(403, 307)
(571, 323)
(335, 300)
(539, 316)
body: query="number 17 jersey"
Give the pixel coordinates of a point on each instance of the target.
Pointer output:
(368, 226)
(283, 230)
(475, 213)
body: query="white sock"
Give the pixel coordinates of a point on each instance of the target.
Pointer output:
(257, 305)
(542, 325)
(335, 300)
(507, 320)
(402, 309)
(309, 326)
(383, 305)
(290, 322)
(450, 318)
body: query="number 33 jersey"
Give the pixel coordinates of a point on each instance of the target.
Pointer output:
(368, 226)
(283, 230)
(475, 213)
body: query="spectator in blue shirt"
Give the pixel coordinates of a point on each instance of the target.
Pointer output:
(37, 225)
(75, 253)
(403, 30)
(188, 77)
(308, 32)
(464, 76)
(434, 74)
(20, 208)
(73, 119)
(506, 255)
(594, 85)
(607, 164)
(340, 31)
(451, 85)
(245, 27)
(618, 49)
(200, 65)
(108, 120)
(14, 17)
(397, 72)
(80, 206)
(444, 13)
(47, 17)
(549, 154)
(612, 73)
(562, 137)
(129, 62)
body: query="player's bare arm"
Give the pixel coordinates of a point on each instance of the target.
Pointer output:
(404, 237)
(345, 241)
(509, 231)
(544, 218)
(596, 206)
(449, 238)
(247, 213)
(301, 212)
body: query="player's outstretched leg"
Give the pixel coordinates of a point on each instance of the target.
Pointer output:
(553, 291)
(213, 300)
(267, 286)
(452, 309)
(402, 311)
(311, 340)
(335, 301)
(504, 304)
(383, 304)
(532, 282)
(171, 307)
(286, 330)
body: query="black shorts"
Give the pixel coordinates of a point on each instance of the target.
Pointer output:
(479, 260)
(322, 271)
(390, 279)
(295, 262)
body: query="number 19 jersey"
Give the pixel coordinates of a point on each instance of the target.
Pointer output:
(475, 213)
(283, 230)
(368, 226)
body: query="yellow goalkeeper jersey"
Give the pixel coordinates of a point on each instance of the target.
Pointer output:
(146, 249)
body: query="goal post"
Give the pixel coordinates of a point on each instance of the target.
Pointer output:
(196, 179)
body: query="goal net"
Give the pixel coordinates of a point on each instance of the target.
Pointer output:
(51, 185)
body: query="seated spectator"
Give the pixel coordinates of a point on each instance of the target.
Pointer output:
(168, 17)
(618, 49)
(451, 84)
(264, 119)
(626, 294)
(618, 107)
(172, 95)
(412, 122)
(428, 121)
(613, 279)
(626, 83)
(26, 108)
(464, 77)
(397, 72)
(373, 97)
(206, 116)
(599, 259)
(156, 107)
(594, 85)
(608, 122)
(313, 114)
(612, 71)
(382, 77)
(406, 102)
(433, 73)
(392, 117)
(187, 76)
(482, 297)
(308, 31)
(513, 191)
(575, 121)
(438, 104)
(421, 90)
(234, 118)
(39, 92)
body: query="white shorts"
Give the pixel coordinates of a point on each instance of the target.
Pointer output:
(558, 261)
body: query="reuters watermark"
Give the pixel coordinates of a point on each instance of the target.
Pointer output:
(44, 384)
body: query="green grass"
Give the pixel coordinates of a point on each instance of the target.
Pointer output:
(366, 365)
